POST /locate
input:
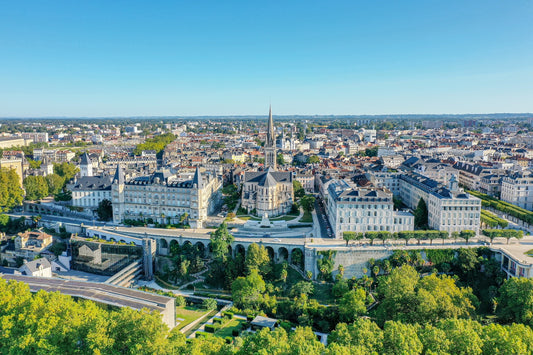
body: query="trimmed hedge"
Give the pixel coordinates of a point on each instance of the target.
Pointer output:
(228, 314)
(217, 320)
(211, 328)
(200, 334)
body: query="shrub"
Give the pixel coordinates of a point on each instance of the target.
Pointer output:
(211, 328)
(217, 320)
(180, 301)
(209, 303)
(235, 332)
(228, 314)
(229, 340)
(200, 334)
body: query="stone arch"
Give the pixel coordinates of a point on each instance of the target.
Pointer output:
(123, 241)
(271, 253)
(163, 243)
(240, 249)
(283, 254)
(173, 244)
(297, 257)
(201, 248)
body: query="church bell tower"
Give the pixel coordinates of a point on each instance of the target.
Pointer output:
(270, 143)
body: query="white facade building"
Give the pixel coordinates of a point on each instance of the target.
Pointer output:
(351, 208)
(449, 209)
(518, 190)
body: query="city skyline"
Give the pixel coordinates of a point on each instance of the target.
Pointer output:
(104, 59)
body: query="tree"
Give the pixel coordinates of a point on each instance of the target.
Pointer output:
(299, 191)
(467, 235)
(66, 170)
(55, 183)
(308, 203)
(248, 291)
(348, 236)
(209, 304)
(352, 304)
(284, 274)
(34, 164)
(11, 194)
(36, 187)
(421, 214)
(221, 239)
(105, 210)
(257, 259)
(280, 160)
(399, 338)
(313, 159)
(301, 288)
(515, 303)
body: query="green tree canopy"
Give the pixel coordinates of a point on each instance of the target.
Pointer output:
(11, 194)
(257, 259)
(36, 187)
(421, 214)
(221, 239)
(248, 291)
(105, 210)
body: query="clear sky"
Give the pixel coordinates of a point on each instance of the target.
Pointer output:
(144, 58)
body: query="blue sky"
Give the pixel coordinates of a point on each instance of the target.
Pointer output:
(124, 58)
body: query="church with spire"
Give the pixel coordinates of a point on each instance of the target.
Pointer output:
(270, 143)
(268, 192)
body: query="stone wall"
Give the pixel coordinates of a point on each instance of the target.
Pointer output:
(353, 260)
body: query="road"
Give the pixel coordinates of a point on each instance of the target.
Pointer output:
(325, 227)
(50, 218)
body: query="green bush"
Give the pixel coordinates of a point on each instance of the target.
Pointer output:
(229, 340)
(228, 314)
(211, 328)
(180, 301)
(217, 320)
(200, 334)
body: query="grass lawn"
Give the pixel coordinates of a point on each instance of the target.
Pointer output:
(306, 218)
(189, 314)
(228, 327)
(529, 252)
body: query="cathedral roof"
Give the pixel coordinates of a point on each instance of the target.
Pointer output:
(261, 177)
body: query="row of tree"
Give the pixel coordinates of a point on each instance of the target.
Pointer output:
(505, 207)
(419, 235)
(491, 220)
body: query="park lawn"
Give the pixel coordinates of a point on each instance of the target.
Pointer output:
(306, 218)
(227, 328)
(189, 314)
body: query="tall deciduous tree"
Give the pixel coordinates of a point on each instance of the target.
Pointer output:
(257, 259)
(11, 194)
(36, 187)
(248, 291)
(220, 242)
(55, 183)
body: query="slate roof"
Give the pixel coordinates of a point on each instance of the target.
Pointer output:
(261, 177)
(93, 183)
(34, 265)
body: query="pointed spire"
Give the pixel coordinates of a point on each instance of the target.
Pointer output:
(270, 129)
(119, 175)
(197, 179)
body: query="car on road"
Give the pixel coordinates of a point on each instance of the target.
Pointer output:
(277, 240)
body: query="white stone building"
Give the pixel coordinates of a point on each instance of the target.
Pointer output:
(449, 209)
(351, 208)
(269, 192)
(518, 190)
(163, 197)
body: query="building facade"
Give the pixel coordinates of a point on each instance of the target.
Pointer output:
(163, 197)
(352, 208)
(518, 190)
(449, 208)
(267, 192)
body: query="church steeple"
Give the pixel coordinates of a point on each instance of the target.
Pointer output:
(270, 146)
